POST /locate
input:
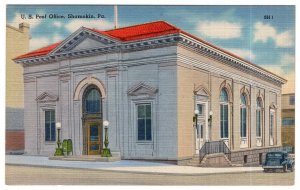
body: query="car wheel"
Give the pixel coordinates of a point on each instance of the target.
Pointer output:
(284, 168)
(292, 168)
(266, 170)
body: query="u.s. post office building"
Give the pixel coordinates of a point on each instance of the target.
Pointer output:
(166, 94)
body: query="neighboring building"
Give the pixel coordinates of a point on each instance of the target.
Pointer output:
(17, 42)
(147, 80)
(288, 120)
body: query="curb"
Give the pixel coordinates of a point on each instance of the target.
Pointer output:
(134, 172)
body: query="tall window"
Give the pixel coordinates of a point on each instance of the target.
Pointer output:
(92, 100)
(224, 113)
(50, 125)
(258, 117)
(243, 112)
(292, 100)
(144, 122)
(272, 117)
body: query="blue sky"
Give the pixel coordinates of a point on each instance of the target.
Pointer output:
(242, 30)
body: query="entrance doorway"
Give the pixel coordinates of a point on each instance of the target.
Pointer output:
(201, 127)
(92, 121)
(199, 137)
(94, 138)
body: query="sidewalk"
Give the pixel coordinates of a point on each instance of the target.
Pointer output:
(124, 166)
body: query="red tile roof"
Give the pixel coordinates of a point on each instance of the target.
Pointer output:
(130, 33)
(39, 52)
(143, 31)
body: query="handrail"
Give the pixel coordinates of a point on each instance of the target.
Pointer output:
(213, 147)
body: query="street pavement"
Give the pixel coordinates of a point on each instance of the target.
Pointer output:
(132, 166)
(36, 175)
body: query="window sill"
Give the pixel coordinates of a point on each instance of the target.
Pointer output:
(144, 142)
(50, 142)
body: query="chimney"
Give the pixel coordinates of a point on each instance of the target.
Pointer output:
(24, 27)
(116, 16)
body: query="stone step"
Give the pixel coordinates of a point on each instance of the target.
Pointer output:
(96, 158)
(215, 160)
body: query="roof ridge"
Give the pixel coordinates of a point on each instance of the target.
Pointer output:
(102, 32)
(131, 26)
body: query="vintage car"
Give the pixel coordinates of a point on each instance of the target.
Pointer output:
(278, 160)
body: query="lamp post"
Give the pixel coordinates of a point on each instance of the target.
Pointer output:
(210, 123)
(58, 151)
(106, 151)
(196, 112)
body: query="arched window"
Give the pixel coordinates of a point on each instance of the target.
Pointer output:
(224, 113)
(92, 100)
(243, 116)
(258, 117)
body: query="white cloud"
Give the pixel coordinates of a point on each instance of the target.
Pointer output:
(17, 20)
(264, 32)
(57, 38)
(220, 29)
(57, 24)
(284, 39)
(244, 53)
(99, 24)
(36, 43)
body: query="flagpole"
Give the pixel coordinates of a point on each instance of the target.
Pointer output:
(116, 16)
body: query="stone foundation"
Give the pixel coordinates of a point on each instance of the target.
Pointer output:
(249, 157)
(253, 157)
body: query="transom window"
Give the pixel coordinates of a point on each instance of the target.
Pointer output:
(223, 95)
(224, 113)
(258, 117)
(92, 100)
(144, 128)
(50, 134)
(243, 116)
(200, 109)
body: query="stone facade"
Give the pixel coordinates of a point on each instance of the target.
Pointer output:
(172, 73)
(17, 42)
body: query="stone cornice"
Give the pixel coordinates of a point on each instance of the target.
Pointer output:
(65, 51)
(228, 59)
(110, 48)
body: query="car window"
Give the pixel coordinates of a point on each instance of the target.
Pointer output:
(274, 155)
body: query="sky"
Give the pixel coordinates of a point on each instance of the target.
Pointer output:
(242, 30)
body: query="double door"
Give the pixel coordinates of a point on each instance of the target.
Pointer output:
(94, 136)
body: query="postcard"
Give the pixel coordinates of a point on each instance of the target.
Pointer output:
(150, 95)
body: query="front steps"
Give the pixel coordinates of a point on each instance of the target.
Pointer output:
(215, 160)
(210, 160)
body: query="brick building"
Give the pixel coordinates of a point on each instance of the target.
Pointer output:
(288, 120)
(17, 42)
